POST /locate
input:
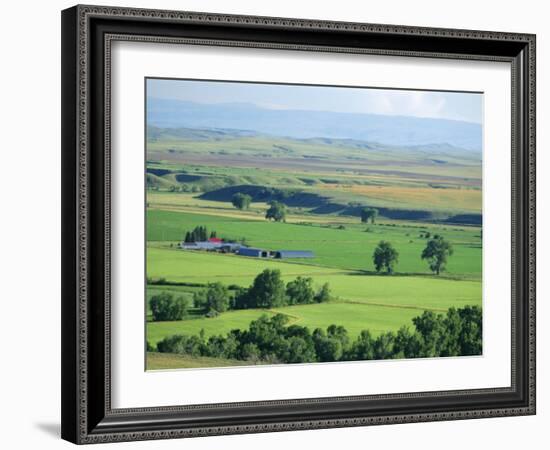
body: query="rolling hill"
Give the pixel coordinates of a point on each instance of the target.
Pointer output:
(249, 118)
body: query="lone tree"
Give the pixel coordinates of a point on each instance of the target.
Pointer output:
(385, 257)
(241, 201)
(437, 252)
(276, 211)
(369, 214)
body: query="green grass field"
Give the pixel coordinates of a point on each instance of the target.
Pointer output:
(167, 361)
(355, 317)
(350, 248)
(378, 303)
(427, 291)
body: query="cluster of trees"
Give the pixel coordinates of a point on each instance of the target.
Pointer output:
(268, 290)
(184, 188)
(241, 201)
(165, 306)
(198, 234)
(437, 253)
(270, 340)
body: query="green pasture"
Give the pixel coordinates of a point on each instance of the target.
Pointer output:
(166, 361)
(422, 292)
(355, 317)
(225, 322)
(350, 248)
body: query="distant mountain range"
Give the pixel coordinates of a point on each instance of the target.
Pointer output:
(384, 129)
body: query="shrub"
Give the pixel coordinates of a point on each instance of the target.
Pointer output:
(182, 344)
(164, 307)
(276, 211)
(369, 214)
(213, 300)
(241, 201)
(324, 294)
(300, 291)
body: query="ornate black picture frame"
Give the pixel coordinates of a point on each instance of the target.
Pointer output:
(87, 34)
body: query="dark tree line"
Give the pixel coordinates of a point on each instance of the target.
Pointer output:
(268, 290)
(270, 340)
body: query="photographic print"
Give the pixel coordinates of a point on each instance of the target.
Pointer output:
(290, 223)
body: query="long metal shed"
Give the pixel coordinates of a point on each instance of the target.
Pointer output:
(253, 252)
(282, 254)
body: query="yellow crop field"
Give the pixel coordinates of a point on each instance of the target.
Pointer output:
(427, 197)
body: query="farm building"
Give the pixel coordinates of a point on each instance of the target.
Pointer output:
(213, 244)
(283, 254)
(253, 252)
(230, 247)
(217, 245)
(200, 245)
(189, 246)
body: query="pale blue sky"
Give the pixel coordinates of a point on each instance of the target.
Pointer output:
(435, 104)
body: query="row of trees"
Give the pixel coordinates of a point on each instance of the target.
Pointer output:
(277, 210)
(436, 253)
(183, 188)
(268, 290)
(270, 340)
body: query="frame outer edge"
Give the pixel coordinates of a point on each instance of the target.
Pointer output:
(532, 283)
(69, 293)
(75, 296)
